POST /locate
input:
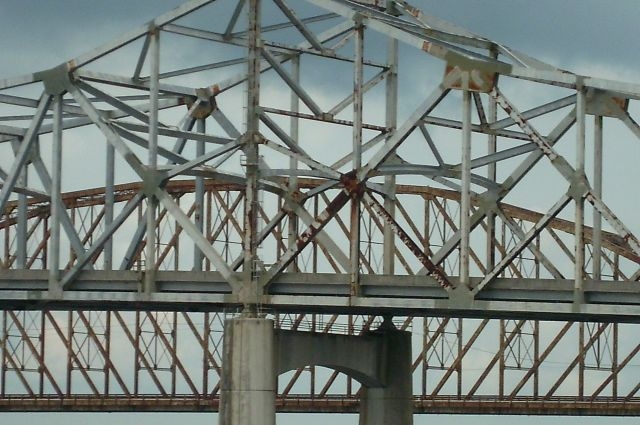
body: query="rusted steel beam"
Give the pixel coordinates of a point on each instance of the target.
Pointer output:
(578, 358)
(170, 347)
(435, 271)
(125, 192)
(615, 372)
(37, 354)
(430, 342)
(552, 345)
(139, 355)
(104, 351)
(68, 343)
(307, 236)
(514, 332)
(457, 363)
(481, 405)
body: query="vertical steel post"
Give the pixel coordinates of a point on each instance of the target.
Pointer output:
(206, 335)
(294, 134)
(107, 355)
(174, 352)
(138, 353)
(492, 176)
(208, 222)
(460, 337)
(314, 244)
(154, 52)
(176, 245)
(579, 199)
(3, 355)
(251, 153)
(7, 245)
(198, 256)
(581, 362)
(56, 196)
(21, 229)
(109, 203)
(70, 338)
(597, 189)
(614, 362)
(502, 362)
(152, 202)
(465, 189)
(42, 339)
(356, 210)
(391, 122)
(536, 358)
(424, 364)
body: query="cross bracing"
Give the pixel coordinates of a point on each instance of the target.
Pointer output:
(324, 156)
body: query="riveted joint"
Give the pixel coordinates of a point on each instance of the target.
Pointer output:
(579, 186)
(57, 79)
(151, 181)
(476, 80)
(32, 155)
(257, 138)
(489, 201)
(206, 103)
(295, 197)
(392, 9)
(351, 184)
(153, 29)
(461, 297)
(358, 20)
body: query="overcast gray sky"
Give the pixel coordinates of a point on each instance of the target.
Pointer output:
(585, 36)
(576, 34)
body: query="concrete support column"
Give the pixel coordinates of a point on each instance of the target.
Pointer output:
(393, 403)
(248, 385)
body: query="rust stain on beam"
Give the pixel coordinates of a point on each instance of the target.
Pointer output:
(435, 271)
(482, 405)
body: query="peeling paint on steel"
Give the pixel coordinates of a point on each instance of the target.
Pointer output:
(481, 81)
(434, 271)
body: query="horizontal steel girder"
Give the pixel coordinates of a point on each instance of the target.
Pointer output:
(311, 292)
(558, 406)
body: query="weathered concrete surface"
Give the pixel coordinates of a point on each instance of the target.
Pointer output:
(248, 384)
(255, 353)
(391, 404)
(379, 360)
(356, 356)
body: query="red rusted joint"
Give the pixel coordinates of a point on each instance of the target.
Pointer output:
(352, 185)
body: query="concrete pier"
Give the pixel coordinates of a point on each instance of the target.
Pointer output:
(255, 353)
(392, 402)
(248, 384)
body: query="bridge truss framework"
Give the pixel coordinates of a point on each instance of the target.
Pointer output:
(290, 194)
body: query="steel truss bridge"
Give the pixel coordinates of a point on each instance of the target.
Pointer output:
(328, 164)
